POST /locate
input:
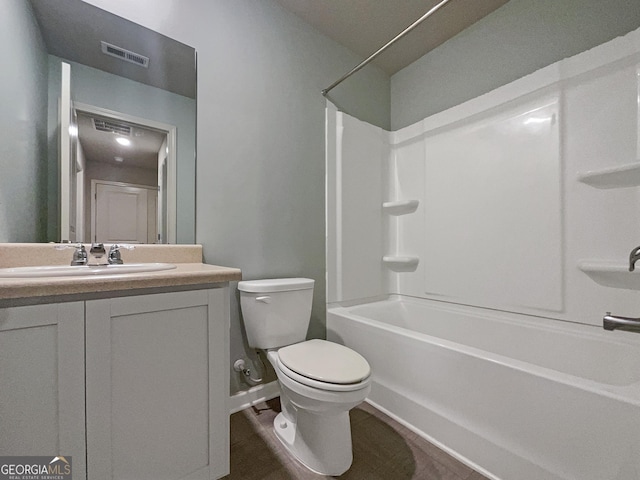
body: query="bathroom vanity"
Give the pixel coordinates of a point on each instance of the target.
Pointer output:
(127, 371)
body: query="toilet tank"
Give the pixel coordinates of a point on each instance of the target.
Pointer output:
(277, 311)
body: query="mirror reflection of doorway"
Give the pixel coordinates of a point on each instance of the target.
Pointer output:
(122, 163)
(123, 213)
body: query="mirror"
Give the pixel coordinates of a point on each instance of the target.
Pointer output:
(124, 83)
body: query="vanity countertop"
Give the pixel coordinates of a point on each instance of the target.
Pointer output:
(189, 272)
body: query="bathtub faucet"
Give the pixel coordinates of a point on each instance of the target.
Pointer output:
(613, 322)
(634, 256)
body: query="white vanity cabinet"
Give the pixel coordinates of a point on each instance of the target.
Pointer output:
(157, 386)
(154, 369)
(42, 382)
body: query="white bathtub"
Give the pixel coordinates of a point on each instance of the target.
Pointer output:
(519, 398)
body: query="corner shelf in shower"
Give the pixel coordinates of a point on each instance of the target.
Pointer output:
(611, 274)
(613, 177)
(400, 263)
(400, 207)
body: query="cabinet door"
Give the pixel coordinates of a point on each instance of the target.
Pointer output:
(158, 386)
(42, 382)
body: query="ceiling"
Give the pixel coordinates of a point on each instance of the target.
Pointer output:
(73, 30)
(100, 146)
(364, 26)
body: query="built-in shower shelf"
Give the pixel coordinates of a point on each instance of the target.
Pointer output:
(400, 207)
(611, 274)
(401, 263)
(614, 177)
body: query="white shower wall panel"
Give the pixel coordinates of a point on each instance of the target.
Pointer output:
(492, 209)
(355, 263)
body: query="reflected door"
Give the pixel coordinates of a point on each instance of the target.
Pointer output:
(123, 214)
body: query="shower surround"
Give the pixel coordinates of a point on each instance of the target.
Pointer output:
(472, 255)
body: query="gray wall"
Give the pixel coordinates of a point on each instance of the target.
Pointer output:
(23, 98)
(517, 39)
(101, 89)
(260, 178)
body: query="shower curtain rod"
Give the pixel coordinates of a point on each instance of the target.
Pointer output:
(385, 46)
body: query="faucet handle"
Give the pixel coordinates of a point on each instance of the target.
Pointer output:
(79, 254)
(114, 253)
(67, 246)
(118, 246)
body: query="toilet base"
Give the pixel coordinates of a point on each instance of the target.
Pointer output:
(322, 443)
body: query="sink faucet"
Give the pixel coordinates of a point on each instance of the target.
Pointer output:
(97, 255)
(634, 256)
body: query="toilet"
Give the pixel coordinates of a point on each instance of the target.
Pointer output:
(319, 381)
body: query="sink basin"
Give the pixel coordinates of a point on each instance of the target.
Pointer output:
(82, 270)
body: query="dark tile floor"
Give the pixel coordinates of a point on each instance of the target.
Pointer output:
(382, 450)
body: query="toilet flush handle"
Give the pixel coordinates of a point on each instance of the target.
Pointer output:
(264, 299)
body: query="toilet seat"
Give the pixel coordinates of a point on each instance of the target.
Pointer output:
(329, 387)
(324, 365)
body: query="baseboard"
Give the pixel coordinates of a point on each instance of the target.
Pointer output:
(257, 394)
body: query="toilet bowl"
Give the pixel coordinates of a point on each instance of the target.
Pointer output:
(319, 381)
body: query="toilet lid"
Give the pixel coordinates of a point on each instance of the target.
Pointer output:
(325, 361)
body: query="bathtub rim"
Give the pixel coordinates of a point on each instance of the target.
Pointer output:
(629, 394)
(595, 332)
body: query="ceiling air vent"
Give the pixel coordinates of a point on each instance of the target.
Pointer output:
(126, 55)
(112, 127)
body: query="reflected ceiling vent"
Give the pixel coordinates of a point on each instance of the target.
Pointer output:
(126, 55)
(112, 127)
